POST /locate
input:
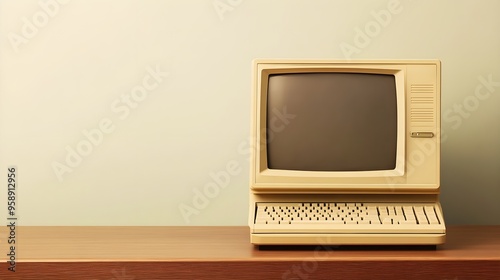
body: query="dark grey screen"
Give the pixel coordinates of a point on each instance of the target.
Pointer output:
(331, 122)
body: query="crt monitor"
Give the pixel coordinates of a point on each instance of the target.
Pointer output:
(346, 127)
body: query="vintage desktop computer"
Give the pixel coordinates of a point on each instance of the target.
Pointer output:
(346, 153)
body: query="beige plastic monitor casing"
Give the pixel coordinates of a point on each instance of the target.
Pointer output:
(416, 177)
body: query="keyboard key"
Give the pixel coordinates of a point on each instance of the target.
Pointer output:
(387, 221)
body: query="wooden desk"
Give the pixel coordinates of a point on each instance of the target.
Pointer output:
(132, 253)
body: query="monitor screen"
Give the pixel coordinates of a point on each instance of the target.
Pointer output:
(342, 122)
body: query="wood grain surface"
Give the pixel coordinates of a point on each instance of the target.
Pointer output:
(127, 253)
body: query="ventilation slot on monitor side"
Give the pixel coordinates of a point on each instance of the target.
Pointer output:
(422, 105)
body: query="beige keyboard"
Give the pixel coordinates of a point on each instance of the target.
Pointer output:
(348, 217)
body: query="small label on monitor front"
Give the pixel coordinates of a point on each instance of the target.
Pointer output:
(422, 134)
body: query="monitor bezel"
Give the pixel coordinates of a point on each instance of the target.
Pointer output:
(401, 113)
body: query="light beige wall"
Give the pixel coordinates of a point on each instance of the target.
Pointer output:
(154, 96)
